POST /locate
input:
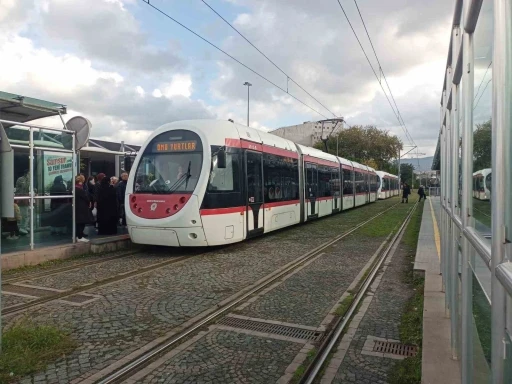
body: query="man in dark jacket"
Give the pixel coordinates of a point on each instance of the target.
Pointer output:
(421, 192)
(121, 191)
(406, 191)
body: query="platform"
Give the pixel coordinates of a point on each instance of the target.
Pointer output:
(55, 247)
(438, 365)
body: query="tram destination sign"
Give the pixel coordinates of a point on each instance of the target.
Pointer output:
(175, 146)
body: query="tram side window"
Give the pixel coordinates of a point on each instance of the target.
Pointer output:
(359, 182)
(335, 181)
(225, 179)
(311, 181)
(324, 185)
(281, 175)
(348, 186)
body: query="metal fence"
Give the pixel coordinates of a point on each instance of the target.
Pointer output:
(476, 242)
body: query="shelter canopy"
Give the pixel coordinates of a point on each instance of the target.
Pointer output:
(22, 109)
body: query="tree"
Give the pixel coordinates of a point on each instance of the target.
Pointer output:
(366, 145)
(482, 146)
(406, 173)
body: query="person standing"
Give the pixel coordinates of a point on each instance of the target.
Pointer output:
(82, 205)
(107, 208)
(121, 191)
(57, 206)
(406, 191)
(23, 189)
(421, 192)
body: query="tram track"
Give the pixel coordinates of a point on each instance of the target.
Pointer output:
(84, 288)
(68, 268)
(122, 372)
(313, 371)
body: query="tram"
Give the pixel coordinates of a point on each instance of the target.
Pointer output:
(482, 181)
(206, 183)
(388, 185)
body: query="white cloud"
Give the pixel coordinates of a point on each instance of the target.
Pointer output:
(181, 84)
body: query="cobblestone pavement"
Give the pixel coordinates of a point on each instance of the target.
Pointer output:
(97, 272)
(382, 319)
(10, 300)
(135, 311)
(228, 357)
(308, 296)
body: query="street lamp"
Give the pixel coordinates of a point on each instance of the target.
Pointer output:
(248, 85)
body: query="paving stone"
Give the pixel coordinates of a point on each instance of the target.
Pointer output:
(228, 357)
(382, 319)
(10, 300)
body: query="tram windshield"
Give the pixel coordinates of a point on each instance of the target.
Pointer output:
(171, 163)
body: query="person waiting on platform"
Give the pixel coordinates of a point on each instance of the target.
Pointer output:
(82, 212)
(107, 208)
(121, 191)
(421, 192)
(58, 206)
(22, 189)
(11, 224)
(406, 191)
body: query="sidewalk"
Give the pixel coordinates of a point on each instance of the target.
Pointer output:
(437, 363)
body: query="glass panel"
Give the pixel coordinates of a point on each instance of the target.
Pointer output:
(53, 219)
(44, 138)
(461, 128)
(508, 360)
(482, 112)
(53, 173)
(481, 361)
(254, 178)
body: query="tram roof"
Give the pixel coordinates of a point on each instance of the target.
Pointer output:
(22, 109)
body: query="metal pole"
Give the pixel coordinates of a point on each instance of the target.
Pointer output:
(466, 208)
(248, 105)
(31, 192)
(74, 156)
(501, 83)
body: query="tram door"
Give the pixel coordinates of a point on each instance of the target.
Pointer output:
(254, 193)
(311, 190)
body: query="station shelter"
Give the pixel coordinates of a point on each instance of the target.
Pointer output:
(38, 168)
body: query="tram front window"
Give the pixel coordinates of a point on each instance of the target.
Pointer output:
(168, 173)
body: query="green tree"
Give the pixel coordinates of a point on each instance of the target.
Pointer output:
(406, 173)
(366, 145)
(482, 146)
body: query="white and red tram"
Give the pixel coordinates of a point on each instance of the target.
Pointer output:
(388, 185)
(205, 183)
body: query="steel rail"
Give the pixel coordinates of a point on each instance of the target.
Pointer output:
(142, 361)
(313, 370)
(56, 271)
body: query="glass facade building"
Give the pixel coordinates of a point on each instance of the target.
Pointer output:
(474, 157)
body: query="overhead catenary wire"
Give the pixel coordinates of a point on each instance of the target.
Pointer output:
(481, 81)
(231, 57)
(397, 113)
(382, 71)
(266, 57)
(486, 85)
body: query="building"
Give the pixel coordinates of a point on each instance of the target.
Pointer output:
(310, 132)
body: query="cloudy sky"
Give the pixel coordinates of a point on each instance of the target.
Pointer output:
(129, 69)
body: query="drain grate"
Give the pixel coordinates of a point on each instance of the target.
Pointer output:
(275, 329)
(395, 348)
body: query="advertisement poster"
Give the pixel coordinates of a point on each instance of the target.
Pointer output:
(58, 168)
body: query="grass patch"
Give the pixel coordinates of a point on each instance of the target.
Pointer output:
(482, 211)
(299, 372)
(408, 371)
(27, 348)
(381, 225)
(345, 304)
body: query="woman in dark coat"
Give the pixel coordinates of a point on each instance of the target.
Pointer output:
(58, 206)
(107, 208)
(406, 191)
(82, 213)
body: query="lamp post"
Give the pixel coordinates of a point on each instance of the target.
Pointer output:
(248, 85)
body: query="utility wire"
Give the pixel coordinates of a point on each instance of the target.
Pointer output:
(476, 105)
(397, 115)
(266, 57)
(382, 71)
(481, 81)
(230, 56)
